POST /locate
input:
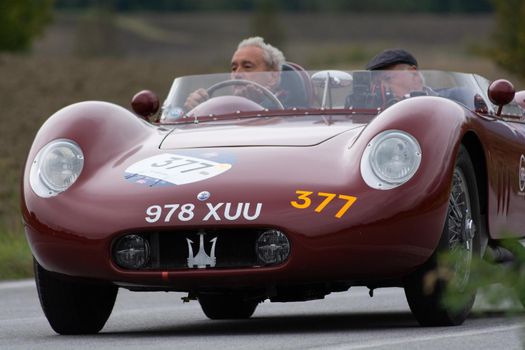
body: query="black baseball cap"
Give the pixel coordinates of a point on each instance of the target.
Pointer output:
(390, 57)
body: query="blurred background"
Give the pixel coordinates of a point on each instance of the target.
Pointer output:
(57, 52)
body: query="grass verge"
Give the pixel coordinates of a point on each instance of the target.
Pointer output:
(16, 261)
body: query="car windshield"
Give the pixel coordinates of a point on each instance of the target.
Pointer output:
(316, 92)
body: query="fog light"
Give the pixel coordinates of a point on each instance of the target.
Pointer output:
(131, 252)
(272, 247)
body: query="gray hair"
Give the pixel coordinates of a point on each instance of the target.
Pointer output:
(273, 57)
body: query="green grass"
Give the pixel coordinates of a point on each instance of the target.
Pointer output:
(15, 257)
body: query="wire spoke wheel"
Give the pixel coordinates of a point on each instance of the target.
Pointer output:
(450, 265)
(461, 230)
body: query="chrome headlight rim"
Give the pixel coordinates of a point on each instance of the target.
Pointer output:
(38, 179)
(369, 163)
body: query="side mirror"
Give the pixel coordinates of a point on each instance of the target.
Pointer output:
(145, 103)
(520, 98)
(501, 92)
(328, 79)
(335, 78)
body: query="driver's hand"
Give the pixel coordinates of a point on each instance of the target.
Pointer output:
(196, 98)
(250, 92)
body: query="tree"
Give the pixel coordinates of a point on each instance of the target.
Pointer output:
(509, 50)
(21, 21)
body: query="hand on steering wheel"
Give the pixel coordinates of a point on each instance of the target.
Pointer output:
(251, 87)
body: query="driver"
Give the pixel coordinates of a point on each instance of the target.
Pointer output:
(252, 55)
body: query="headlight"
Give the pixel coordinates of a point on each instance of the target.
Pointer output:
(56, 167)
(390, 159)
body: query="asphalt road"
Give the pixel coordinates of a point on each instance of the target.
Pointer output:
(350, 320)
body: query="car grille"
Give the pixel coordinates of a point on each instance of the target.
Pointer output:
(233, 248)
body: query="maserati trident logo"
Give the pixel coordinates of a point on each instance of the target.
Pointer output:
(201, 260)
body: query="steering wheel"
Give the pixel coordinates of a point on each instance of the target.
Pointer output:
(265, 91)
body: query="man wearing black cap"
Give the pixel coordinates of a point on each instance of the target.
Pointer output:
(399, 73)
(392, 59)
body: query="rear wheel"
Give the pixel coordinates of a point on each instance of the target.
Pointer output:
(73, 307)
(226, 306)
(459, 244)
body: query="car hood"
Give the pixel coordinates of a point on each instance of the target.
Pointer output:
(267, 132)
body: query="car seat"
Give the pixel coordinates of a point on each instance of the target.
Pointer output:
(296, 83)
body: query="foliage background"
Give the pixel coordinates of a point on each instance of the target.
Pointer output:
(109, 50)
(21, 21)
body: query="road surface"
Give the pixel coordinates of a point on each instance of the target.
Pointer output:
(342, 321)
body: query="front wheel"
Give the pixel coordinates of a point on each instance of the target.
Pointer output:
(460, 242)
(226, 306)
(73, 307)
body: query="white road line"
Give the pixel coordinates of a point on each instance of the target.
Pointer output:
(17, 284)
(408, 340)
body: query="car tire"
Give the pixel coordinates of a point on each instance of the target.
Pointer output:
(425, 289)
(226, 306)
(73, 307)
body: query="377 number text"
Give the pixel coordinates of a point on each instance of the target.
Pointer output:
(304, 201)
(184, 164)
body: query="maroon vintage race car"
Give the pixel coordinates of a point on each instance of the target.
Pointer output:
(253, 196)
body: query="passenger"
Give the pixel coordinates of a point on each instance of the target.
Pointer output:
(403, 84)
(252, 55)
